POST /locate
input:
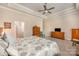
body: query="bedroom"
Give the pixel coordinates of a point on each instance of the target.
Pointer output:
(53, 31)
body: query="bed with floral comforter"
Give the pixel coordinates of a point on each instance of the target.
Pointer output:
(35, 46)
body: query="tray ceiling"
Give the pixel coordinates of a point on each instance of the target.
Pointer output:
(39, 6)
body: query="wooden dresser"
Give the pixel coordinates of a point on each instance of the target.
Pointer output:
(59, 35)
(36, 31)
(75, 34)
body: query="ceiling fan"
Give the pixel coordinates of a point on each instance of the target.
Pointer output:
(46, 10)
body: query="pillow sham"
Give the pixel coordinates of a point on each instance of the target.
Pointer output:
(3, 44)
(12, 51)
(4, 36)
(9, 38)
(3, 52)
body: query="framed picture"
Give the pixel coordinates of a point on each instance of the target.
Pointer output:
(7, 25)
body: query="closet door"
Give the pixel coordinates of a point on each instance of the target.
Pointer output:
(75, 34)
(19, 29)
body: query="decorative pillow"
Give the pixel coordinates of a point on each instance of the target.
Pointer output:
(3, 44)
(3, 52)
(9, 38)
(4, 36)
(12, 51)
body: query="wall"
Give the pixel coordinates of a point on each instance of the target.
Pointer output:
(7, 14)
(66, 20)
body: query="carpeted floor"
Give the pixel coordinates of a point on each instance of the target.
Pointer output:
(65, 46)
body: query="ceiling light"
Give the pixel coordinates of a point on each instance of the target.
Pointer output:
(46, 11)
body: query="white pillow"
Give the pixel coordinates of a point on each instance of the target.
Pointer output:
(10, 38)
(12, 51)
(3, 52)
(3, 43)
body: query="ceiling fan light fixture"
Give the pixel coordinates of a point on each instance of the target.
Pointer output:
(46, 11)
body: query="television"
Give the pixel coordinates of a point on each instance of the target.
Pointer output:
(58, 29)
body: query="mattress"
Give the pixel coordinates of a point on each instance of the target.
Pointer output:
(36, 46)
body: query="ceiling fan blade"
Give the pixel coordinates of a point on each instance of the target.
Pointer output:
(43, 13)
(49, 12)
(51, 8)
(40, 10)
(45, 7)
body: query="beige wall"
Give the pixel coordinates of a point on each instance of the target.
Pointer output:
(66, 20)
(11, 15)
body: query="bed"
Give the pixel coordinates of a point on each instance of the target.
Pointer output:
(29, 46)
(36, 46)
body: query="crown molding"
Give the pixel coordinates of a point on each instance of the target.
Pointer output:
(20, 8)
(67, 11)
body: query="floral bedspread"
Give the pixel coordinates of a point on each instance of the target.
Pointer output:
(35, 46)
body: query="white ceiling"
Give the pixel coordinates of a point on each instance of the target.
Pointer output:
(39, 6)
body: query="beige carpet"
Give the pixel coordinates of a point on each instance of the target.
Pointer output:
(65, 46)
